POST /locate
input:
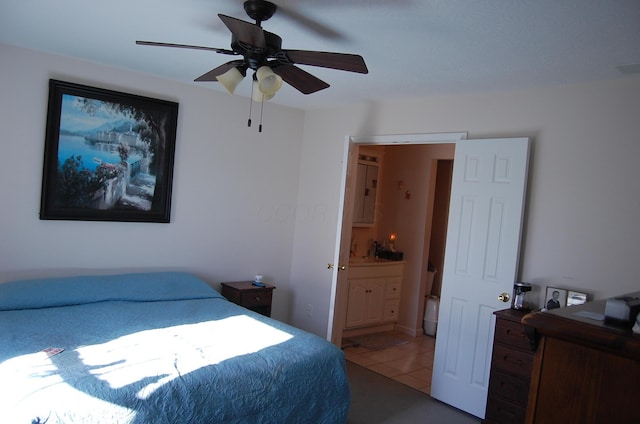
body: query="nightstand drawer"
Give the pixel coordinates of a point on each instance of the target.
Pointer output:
(250, 299)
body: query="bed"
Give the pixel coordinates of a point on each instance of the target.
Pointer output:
(157, 348)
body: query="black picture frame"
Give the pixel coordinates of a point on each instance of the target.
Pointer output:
(108, 155)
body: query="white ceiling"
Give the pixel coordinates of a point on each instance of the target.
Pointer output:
(413, 48)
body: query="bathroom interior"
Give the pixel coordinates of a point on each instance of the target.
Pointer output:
(400, 209)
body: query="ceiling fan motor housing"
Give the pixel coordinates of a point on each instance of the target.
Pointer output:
(259, 10)
(256, 56)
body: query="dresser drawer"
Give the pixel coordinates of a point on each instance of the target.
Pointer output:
(509, 387)
(513, 361)
(250, 299)
(499, 411)
(511, 333)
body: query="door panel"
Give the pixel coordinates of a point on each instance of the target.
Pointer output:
(483, 238)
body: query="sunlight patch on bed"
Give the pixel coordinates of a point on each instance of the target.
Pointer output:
(45, 389)
(161, 355)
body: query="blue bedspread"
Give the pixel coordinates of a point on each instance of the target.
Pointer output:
(157, 348)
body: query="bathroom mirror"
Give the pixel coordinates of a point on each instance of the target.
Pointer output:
(366, 189)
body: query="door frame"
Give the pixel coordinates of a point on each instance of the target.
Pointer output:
(337, 305)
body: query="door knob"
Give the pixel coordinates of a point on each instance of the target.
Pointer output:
(504, 297)
(340, 267)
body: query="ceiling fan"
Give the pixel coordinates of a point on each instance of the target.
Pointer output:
(262, 52)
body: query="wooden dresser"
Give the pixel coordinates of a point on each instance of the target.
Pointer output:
(511, 366)
(585, 371)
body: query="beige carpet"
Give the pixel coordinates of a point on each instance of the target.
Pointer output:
(377, 341)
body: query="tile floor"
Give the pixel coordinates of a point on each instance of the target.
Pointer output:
(410, 363)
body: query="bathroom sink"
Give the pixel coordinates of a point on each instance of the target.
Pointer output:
(360, 260)
(367, 260)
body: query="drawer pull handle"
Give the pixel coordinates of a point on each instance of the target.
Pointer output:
(257, 298)
(508, 358)
(514, 333)
(506, 412)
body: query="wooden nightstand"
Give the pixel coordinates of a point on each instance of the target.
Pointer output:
(252, 297)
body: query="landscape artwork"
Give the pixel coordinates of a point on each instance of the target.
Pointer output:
(108, 155)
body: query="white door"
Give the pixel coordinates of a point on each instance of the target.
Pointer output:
(340, 289)
(483, 238)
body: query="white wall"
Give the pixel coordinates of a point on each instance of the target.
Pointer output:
(245, 202)
(581, 230)
(234, 189)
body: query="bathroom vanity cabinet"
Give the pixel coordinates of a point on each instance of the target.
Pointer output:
(374, 293)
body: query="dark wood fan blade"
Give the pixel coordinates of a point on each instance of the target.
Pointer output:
(340, 61)
(245, 32)
(310, 24)
(301, 80)
(211, 75)
(185, 46)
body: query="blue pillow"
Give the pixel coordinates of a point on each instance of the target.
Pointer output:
(141, 287)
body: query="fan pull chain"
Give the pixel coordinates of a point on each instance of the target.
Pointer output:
(261, 109)
(250, 106)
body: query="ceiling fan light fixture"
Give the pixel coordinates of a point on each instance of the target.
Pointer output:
(230, 79)
(268, 82)
(257, 95)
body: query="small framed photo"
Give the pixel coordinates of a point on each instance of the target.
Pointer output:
(555, 298)
(576, 298)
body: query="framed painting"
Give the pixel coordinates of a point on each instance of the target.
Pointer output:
(555, 298)
(108, 155)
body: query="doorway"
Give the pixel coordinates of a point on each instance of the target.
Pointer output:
(339, 291)
(412, 205)
(488, 190)
(413, 202)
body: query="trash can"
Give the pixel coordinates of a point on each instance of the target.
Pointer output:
(430, 323)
